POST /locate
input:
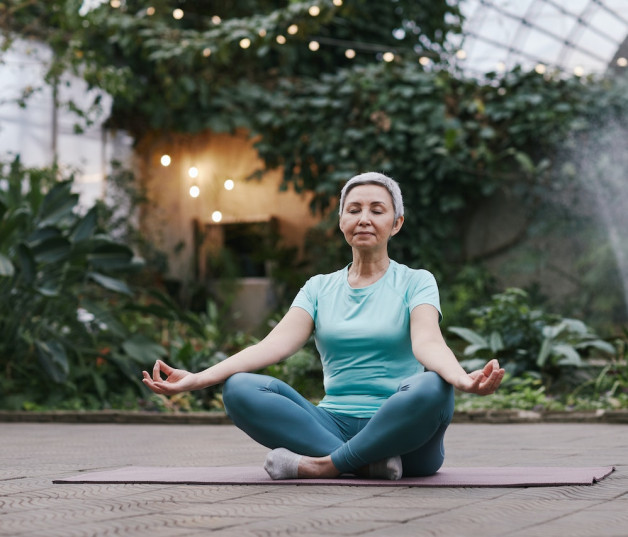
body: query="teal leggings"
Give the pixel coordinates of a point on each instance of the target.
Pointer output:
(410, 423)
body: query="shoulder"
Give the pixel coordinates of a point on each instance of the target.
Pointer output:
(325, 282)
(405, 276)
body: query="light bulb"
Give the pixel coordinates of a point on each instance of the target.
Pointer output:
(193, 172)
(216, 216)
(165, 160)
(177, 14)
(195, 191)
(314, 46)
(229, 184)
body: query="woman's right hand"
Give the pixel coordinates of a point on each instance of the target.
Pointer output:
(177, 380)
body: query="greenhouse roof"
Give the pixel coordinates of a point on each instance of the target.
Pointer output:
(575, 36)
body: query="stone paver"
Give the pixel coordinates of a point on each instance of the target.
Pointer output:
(33, 454)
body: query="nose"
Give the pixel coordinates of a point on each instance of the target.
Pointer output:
(364, 218)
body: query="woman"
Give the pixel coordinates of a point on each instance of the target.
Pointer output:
(389, 375)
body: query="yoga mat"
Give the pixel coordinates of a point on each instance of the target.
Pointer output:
(536, 476)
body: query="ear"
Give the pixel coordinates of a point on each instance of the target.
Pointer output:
(397, 226)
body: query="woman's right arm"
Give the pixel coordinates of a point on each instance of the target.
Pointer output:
(290, 334)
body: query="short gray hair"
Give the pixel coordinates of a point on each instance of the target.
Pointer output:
(374, 178)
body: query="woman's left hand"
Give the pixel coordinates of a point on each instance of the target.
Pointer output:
(483, 381)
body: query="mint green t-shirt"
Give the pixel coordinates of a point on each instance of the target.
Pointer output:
(363, 335)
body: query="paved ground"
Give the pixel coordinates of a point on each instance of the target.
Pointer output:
(33, 454)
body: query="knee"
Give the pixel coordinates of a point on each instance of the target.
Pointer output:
(429, 389)
(236, 387)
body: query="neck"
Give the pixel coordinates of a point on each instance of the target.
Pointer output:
(366, 270)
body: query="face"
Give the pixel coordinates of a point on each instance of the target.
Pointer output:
(368, 217)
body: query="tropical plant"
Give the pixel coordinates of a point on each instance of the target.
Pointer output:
(60, 335)
(528, 339)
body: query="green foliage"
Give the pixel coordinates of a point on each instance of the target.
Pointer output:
(144, 57)
(526, 339)
(522, 393)
(59, 336)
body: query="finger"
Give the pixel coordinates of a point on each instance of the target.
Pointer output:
(166, 368)
(148, 382)
(490, 367)
(494, 380)
(157, 372)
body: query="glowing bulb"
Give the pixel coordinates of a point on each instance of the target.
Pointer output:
(281, 39)
(293, 29)
(501, 67)
(229, 184)
(216, 19)
(622, 62)
(350, 53)
(177, 14)
(207, 52)
(193, 172)
(424, 60)
(388, 56)
(314, 46)
(150, 11)
(115, 4)
(338, 3)
(216, 216)
(540, 68)
(314, 11)
(195, 191)
(245, 43)
(165, 160)
(262, 33)
(578, 70)
(461, 54)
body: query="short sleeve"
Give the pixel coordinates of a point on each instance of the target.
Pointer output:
(424, 291)
(306, 297)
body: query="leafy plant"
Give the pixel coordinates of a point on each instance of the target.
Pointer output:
(527, 339)
(59, 331)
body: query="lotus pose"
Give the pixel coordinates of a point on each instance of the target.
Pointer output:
(389, 376)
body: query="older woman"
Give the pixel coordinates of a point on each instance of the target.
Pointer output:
(388, 373)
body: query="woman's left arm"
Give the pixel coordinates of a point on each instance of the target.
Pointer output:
(429, 348)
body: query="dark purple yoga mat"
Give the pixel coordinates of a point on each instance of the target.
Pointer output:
(535, 476)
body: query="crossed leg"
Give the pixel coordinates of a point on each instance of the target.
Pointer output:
(411, 423)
